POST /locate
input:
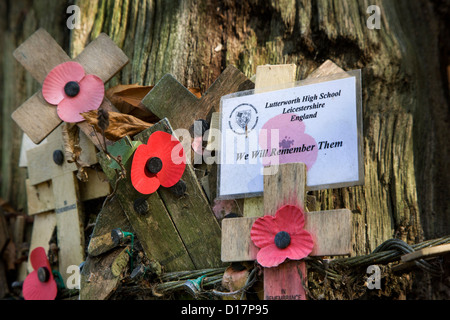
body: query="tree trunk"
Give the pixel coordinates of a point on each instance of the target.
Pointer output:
(404, 74)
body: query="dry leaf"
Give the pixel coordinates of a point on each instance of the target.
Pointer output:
(72, 149)
(127, 99)
(120, 125)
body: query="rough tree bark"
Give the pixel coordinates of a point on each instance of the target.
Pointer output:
(405, 84)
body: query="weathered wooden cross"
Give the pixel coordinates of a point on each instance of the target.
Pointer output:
(39, 54)
(331, 230)
(52, 186)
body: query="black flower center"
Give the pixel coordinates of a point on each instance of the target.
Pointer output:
(43, 274)
(282, 239)
(72, 88)
(154, 165)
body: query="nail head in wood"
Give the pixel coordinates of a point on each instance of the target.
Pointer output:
(140, 206)
(58, 157)
(179, 188)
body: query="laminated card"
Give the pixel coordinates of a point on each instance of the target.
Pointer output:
(316, 121)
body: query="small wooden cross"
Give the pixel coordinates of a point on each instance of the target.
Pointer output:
(170, 99)
(331, 231)
(60, 191)
(285, 280)
(39, 54)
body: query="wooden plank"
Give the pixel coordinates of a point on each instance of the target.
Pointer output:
(327, 68)
(96, 187)
(191, 213)
(284, 282)
(267, 77)
(41, 166)
(43, 121)
(39, 54)
(110, 217)
(236, 242)
(169, 97)
(282, 74)
(155, 230)
(286, 187)
(427, 253)
(43, 227)
(97, 279)
(69, 222)
(101, 57)
(328, 228)
(40, 196)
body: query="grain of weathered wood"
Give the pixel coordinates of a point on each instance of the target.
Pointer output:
(38, 48)
(155, 230)
(427, 253)
(236, 242)
(69, 221)
(330, 230)
(44, 225)
(286, 186)
(101, 57)
(41, 166)
(170, 99)
(191, 213)
(110, 217)
(284, 282)
(267, 77)
(270, 76)
(40, 196)
(97, 280)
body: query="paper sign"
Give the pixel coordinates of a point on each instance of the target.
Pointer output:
(317, 122)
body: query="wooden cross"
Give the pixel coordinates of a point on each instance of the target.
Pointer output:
(290, 182)
(170, 99)
(331, 231)
(39, 54)
(53, 186)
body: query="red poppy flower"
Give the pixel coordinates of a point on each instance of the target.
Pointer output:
(281, 237)
(159, 162)
(73, 91)
(39, 284)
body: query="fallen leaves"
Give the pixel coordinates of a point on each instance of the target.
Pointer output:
(72, 149)
(120, 124)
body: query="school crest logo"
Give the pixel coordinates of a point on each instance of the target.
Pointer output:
(243, 118)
